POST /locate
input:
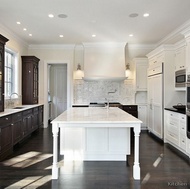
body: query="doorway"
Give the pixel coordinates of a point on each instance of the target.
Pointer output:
(57, 89)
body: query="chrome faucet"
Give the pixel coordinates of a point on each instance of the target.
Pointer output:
(108, 104)
(13, 94)
(11, 103)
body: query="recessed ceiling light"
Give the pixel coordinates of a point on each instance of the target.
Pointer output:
(24, 29)
(62, 16)
(133, 15)
(18, 23)
(146, 14)
(30, 34)
(51, 15)
(93, 35)
(61, 36)
(130, 35)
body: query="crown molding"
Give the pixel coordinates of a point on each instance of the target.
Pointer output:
(178, 33)
(107, 45)
(52, 46)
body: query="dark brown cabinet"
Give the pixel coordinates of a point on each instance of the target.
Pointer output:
(40, 116)
(131, 109)
(30, 79)
(5, 136)
(35, 118)
(27, 122)
(3, 40)
(17, 127)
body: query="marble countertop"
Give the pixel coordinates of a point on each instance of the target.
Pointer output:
(9, 111)
(95, 115)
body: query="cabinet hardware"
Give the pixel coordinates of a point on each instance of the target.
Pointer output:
(12, 124)
(7, 118)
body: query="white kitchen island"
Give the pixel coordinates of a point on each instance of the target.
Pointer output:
(95, 134)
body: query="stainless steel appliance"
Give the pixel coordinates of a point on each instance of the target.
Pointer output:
(180, 78)
(188, 105)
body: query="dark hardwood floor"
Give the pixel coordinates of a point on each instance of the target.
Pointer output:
(30, 167)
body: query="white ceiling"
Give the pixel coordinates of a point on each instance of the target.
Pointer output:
(108, 19)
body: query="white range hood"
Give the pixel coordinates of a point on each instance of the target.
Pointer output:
(104, 61)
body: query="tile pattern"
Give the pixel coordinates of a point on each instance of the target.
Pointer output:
(96, 91)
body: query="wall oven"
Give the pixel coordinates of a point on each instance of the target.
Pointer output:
(188, 105)
(180, 78)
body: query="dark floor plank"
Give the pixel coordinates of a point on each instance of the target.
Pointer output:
(30, 167)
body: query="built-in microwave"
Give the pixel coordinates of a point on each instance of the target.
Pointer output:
(180, 78)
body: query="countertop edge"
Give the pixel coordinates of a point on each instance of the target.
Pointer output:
(9, 111)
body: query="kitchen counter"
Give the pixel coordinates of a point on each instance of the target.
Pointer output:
(19, 108)
(175, 110)
(91, 126)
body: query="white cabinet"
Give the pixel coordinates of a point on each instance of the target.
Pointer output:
(175, 130)
(162, 89)
(188, 147)
(180, 58)
(155, 105)
(141, 65)
(172, 127)
(142, 115)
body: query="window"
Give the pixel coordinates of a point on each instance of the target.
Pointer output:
(10, 66)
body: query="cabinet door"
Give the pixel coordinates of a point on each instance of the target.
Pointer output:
(142, 115)
(35, 83)
(5, 138)
(3, 40)
(141, 77)
(180, 59)
(155, 123)
(1, 81)
(17, 131)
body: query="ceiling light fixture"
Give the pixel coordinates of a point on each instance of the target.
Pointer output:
(146, 14)
(51, 15)
(30, 35)
(130, 35)
(24, 29)
(61, 36)
(93, 35)
(18, 23)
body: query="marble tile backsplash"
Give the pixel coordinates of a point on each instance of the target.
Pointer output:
(97, 91)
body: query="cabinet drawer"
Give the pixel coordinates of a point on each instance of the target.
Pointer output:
(16, 117)
(6, 120)
(27, 112)
(173, 137)
(183, 142)
(130, 107)
(155, 69)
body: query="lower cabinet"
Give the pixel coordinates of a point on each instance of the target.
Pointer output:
(27, 122)
(175, 130)
(15, 127)
(131, 109)
(17, 132)
(5, 136)
(142, 115)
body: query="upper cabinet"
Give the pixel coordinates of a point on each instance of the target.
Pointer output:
(180, 56)
(3, 40)
(30, 79)
(141, 65)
